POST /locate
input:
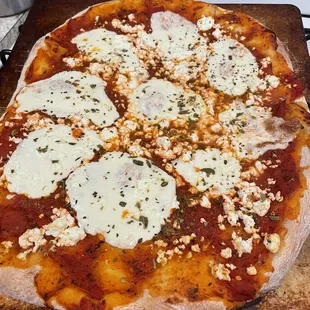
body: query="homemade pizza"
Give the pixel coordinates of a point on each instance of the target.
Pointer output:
(155, 155)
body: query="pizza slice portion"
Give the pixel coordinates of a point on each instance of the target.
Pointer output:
(154, 156)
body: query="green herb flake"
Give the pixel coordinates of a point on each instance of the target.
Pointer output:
(262, 197)
(164, 184)
(13, 132)
(208, 171)
(137, 162)
(42, 149)
(274, 218)
(144, 220)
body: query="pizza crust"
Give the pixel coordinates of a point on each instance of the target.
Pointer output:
(23, 279)
(160, 303)
(298, 230)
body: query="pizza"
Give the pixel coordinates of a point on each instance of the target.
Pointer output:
(154, 155)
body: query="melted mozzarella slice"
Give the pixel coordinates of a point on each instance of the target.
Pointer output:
(156, 100)
(47, 156)
(176, 37)
(67, 94)
(209, 169)
(117, 50)
(178, 44)
(253, 131)
(232, 68)
(125, 199)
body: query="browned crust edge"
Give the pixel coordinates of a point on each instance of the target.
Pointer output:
(298, 230)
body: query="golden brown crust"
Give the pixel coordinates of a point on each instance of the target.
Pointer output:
(294, 290)
(161, 303)
(282, 261)
(19, 284)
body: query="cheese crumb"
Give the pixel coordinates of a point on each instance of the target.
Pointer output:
(272, 242)
(251, 271)
(242, 246)
(219, 271)
(6, 245)
(205, 23)
(226, 253)
(195, 248)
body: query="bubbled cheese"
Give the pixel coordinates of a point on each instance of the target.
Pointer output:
(67, 94)
(157, 100)
(209, 169)
(176, 37)
(117, 51)
(232, 68)
(46, 157)
(253, 131)
(125, 199)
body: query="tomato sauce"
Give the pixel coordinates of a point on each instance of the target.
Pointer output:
(78, 264)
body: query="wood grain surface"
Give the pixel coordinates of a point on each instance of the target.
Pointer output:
(284, 20)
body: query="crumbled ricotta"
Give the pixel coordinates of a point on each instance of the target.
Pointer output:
(209, 169)
(272, 242)
(219, 271)
(242, 246)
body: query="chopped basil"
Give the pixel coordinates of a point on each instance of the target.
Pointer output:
(140, 240)
(93, 85)
(274, 218)
(208, 171)
(148, 164)
(54, 161)
(164, 183)
(262, 197)
(184, 112)
(122, 204)
(138, 162)
(144, 220)
(167, 231)
(13, 132)
(42, 149)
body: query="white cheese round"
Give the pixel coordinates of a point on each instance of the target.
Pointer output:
(46, 157)
(232, 68)
(158, 100)
(175, 36)
(209, 169)
(116, 50)
(101, 44)
(125, 199)
(67, 94)
(247, 127)
(176, 41)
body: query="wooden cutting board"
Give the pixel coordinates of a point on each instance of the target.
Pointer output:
(284, 20)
